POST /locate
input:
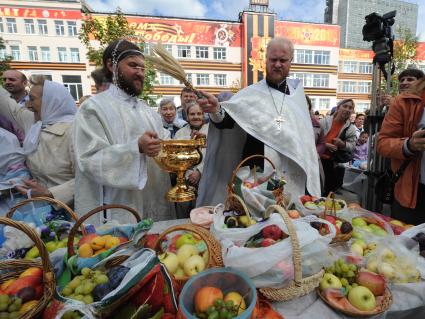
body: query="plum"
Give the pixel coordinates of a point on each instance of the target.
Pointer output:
(116, 275)
(316, 225)
(101, 291)
(346, 227)
(26, 294)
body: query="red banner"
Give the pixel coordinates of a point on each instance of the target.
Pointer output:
(308, 33)
(420, 51)
(187, 32)
(351, 54)
(40, 13)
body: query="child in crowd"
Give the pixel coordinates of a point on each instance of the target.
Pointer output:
(361, 151)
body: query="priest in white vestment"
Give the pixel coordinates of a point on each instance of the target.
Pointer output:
(269, 118)
(116, 137)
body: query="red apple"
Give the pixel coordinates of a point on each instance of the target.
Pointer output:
(376, 283)
(272, 231)
(305, 198)
(87, 239)
(331, 219)
(205, 297)
(267, 242)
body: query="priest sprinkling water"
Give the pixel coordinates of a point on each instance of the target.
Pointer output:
(269, 118)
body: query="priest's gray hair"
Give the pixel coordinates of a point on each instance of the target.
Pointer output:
(281, 42)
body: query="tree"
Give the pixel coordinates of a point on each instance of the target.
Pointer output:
(96, 33)
(4, 62)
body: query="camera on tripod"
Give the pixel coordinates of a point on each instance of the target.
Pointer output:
(378, 29)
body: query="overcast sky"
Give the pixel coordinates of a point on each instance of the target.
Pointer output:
(295, 10)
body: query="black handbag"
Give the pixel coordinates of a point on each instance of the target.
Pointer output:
(342, 156)
(384, 187)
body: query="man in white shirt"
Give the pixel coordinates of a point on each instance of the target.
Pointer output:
(15, 83)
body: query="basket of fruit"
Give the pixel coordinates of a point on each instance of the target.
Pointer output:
(188, 249)
(27, 286)
(300, 285)
(353, 291)
(218, 293)
(315, 205)
(344, 230)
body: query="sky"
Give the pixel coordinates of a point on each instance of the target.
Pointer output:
(295, 10)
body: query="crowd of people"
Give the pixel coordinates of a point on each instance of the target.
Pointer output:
(103, 151)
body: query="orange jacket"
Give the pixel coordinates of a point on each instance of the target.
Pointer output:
(399, 124)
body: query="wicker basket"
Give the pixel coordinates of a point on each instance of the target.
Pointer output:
(299, 286)
(384, 306)
(115, 261)
(215, 258)
(332, 212)
(43, 199)
(13, 268)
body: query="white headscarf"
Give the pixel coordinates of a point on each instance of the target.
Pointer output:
(57, 106)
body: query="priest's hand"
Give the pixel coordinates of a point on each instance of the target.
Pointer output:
(209, 103)
(33, 189)
(149, 144)
(194, 177)
(331, 148)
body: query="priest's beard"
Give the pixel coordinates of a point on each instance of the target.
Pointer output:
(127, 84)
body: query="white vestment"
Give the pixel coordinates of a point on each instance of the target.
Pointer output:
(292, 148)
(110, 169)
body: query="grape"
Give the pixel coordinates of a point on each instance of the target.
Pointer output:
(219, 303)
(68, 315)
(4, 315)
(3, 306)
(86, 272)
(345, 268)
(210, 310)
(12, 308)
(351, 274)
(79, 290)
(79, 297)
(74, 283)
(353, 267)
(14, 315)
(88, 299)
(344, 282)
(88, 288)
(18, 303)
(4, 299)
(101, 279)
(229, 304)
(67, 291)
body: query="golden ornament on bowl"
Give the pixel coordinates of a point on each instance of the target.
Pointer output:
(177, 156)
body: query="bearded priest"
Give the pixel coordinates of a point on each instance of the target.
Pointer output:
(116, 136)
(269, 118)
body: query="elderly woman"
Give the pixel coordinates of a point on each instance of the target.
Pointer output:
(168, 112)
(47, 145)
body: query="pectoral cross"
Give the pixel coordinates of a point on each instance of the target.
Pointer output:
(279, 120)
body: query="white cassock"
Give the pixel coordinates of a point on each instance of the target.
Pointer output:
(291, 147)
(110, 169)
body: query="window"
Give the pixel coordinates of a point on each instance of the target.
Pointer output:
(75, 55)
(220, 79)
(362, 106)
(29, 26)
(72, 28)
(60, 28)
(183, 51)
(365, 67)
(42, 26)
(168, 47)
(32, 54)
(45, 54)
(146, 48)
(364, 87)
(73, 84)
(15, 52)
(62, 55)
(11, 25)
(202, 52)
(312, 80)
(3, 53)
(349, 66)
(349, 87)
(189, 77)
(322, 57)
(220, 53)
(202, 79)
(321, 80)
(1, 25)
(324, 104)
(304, 56)
(165, 79)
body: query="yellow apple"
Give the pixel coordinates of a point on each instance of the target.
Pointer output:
(193, 265)
(170, 261)
(185, 252)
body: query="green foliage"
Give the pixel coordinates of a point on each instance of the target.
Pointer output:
(97, 33)
(4, 62)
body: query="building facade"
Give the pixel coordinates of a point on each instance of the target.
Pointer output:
(350, 16)
(42, 38)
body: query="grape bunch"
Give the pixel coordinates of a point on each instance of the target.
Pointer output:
(9, 307)
(220, 310)
(72, 314)
(346, 272)
(81, 287)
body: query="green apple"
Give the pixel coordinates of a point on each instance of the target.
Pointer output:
(379, 232)
(362, 298)
(361, 242)
(358, 222)
(170, 261)
(194, 265)
(357, 249)
(330, 281)
(186, 251)
(357, 235)
(185, 239)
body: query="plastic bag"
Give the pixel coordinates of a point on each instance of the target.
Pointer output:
(406, 239)
(272, 266)
(318, 205)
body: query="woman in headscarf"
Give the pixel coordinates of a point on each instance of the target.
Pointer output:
(47, 145)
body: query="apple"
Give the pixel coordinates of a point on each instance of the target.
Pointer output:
(205, 297)
(330, 281)
(244, 220)
(372, 265)
(179, 273)
(272, 231)
(237, 300)
(338, 224)
(170, 261)
(380, 232)
(362, 298)
(387, 270)
(361, 242)
(387, 254)
(358, 222)
(357, 235)
(185, 252)
(374, 282)
(357, 249)
(185, 239)
(331, 219)
(267, 242)
(194, 265)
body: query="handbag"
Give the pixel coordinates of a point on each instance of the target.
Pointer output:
(384, 187)
(342, 156)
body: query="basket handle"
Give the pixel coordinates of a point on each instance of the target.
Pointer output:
(235, 171)
(239, 199)
(331, 197)
(48, 273)
(43, 199)
(296, 253)
(80, 221)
